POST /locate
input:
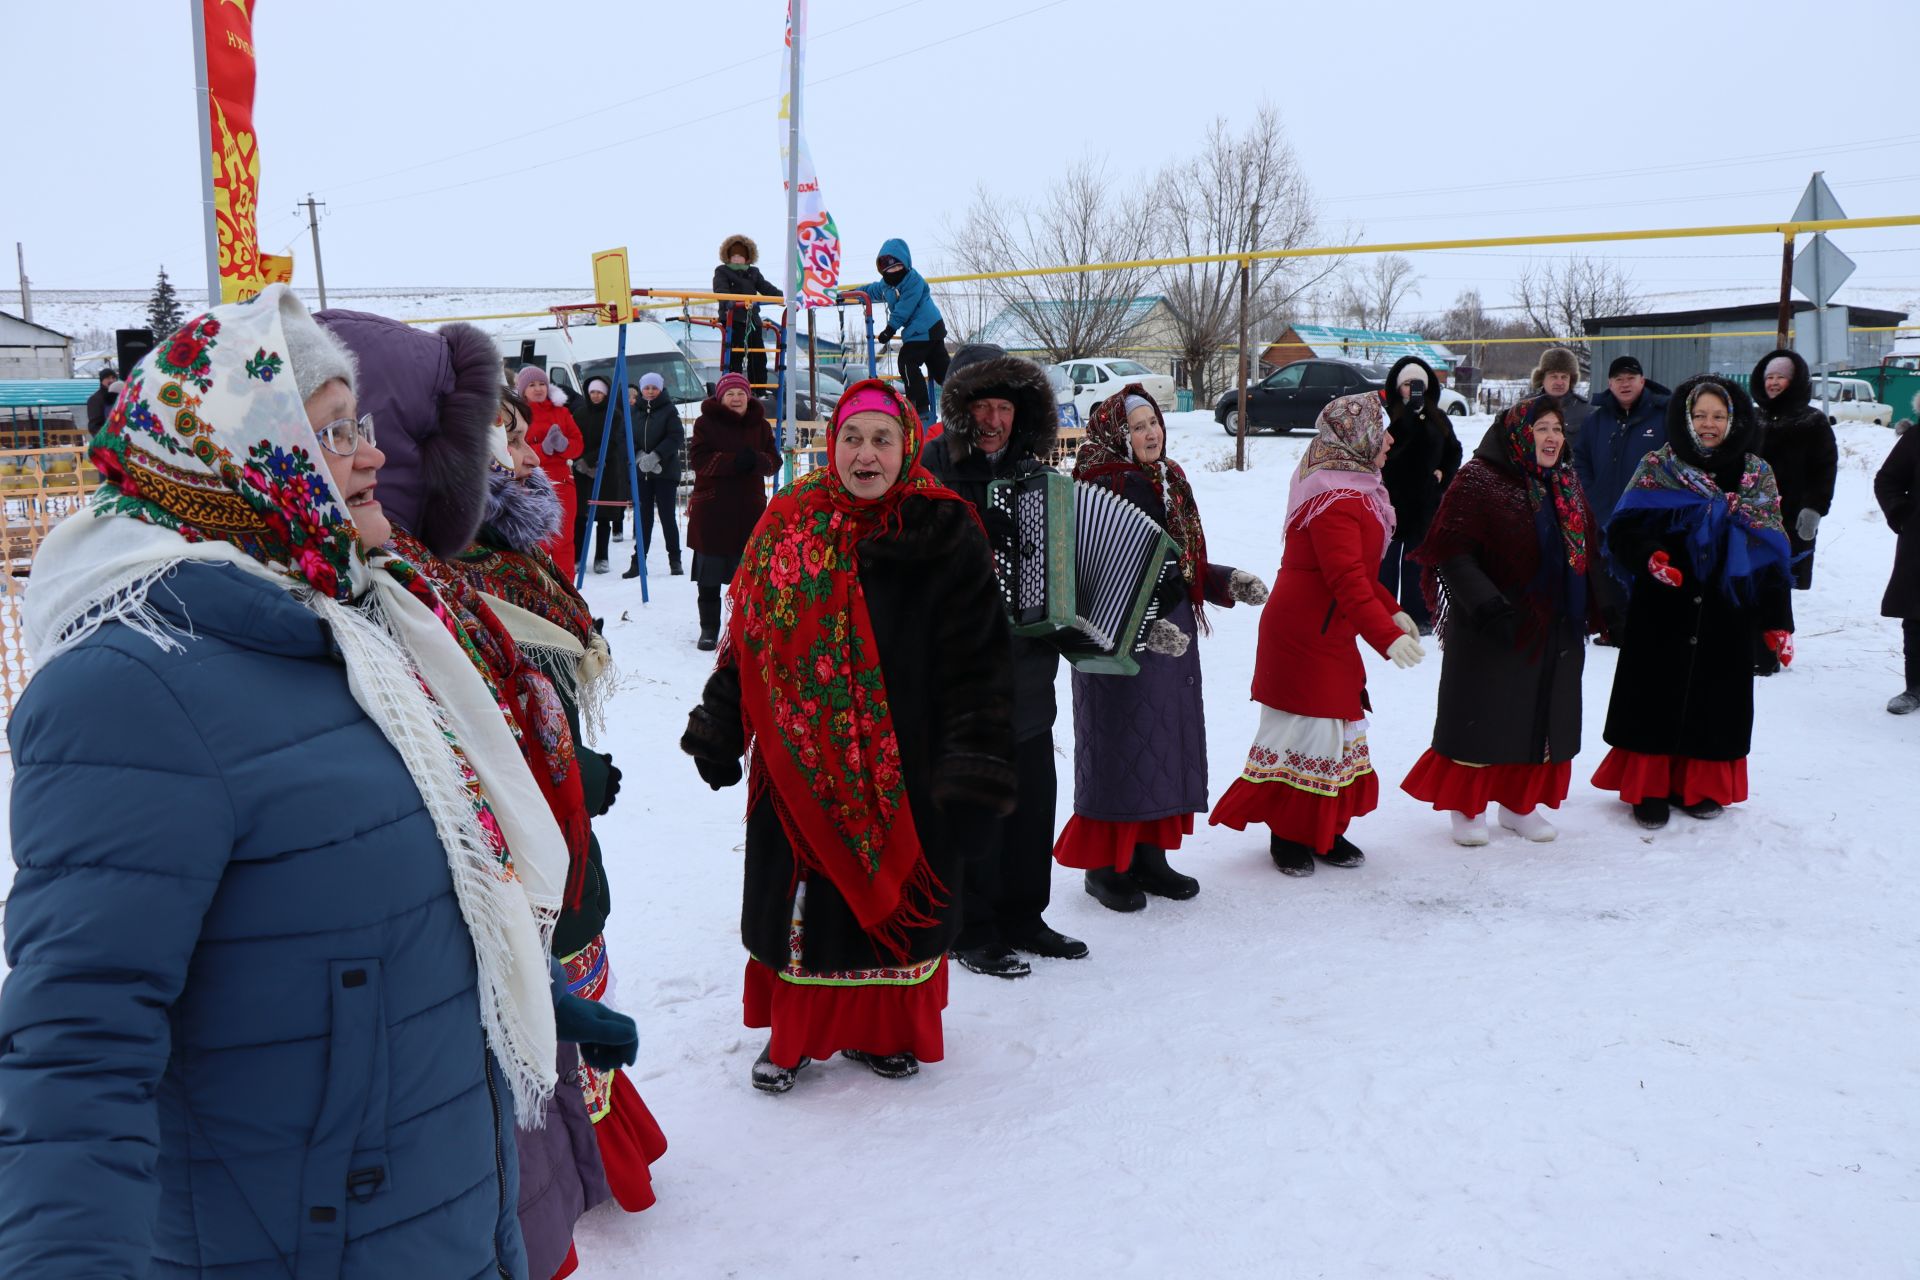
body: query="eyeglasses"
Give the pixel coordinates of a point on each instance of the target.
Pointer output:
(342, 436)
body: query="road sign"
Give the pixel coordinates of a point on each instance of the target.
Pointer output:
(1820, 270)
(1821, 336)
(1816, 202)
(612, 288)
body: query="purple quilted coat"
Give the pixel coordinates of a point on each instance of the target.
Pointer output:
(1140, 741)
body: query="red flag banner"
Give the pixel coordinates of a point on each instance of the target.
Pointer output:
(236, 154)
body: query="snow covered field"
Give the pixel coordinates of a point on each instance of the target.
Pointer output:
(1690, 1053)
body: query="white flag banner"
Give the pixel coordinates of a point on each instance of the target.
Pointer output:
(817, 245)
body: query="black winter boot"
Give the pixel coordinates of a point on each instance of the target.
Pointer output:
(1343, 854)
(1702, 809)
(892, 1066)
(1043, 940)
(769, 1078)
(709, 621)
(1652, 813)
(673, 564)
(1115, 890)
(1151, 872)
(633, 570)
(1292, 857)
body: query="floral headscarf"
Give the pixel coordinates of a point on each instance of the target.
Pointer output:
(811, 688)
(208, 457)
(1339, 463)
(1569, 507)
(1107, 455)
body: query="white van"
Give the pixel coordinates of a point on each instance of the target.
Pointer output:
(582, 351)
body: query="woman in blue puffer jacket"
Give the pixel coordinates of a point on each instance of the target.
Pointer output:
(278, 934)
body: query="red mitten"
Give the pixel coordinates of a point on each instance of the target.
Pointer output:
(1663, 571)
(1781, 642)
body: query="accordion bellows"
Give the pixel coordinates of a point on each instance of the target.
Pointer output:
(1084, 568)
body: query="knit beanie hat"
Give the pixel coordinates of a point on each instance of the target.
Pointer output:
(606, 388)
(653, 380)
(731, 381)
(529, 375)
(1139, 402)
(316, 356)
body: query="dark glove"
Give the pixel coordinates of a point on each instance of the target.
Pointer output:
(747, 461)
(607, 1039)
(613, 787)
(884, 336)
(717, 773)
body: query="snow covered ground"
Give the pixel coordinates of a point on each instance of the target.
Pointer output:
(1690, 1053)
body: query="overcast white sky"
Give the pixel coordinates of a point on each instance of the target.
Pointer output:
(481, 142)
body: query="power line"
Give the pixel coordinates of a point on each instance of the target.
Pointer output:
(612, 106)
(715, 115)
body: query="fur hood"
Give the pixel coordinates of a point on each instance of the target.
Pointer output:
(433, 397)
(985, 372)
(1555, 360)
(1789, 403)
(744, 244)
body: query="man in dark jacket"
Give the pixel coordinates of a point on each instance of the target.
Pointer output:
(1628, 421)
(100, 403)
(738, 274)
(1000, 422)
(1896, 487)
(1420, 465)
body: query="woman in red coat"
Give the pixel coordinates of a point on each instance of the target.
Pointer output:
(554, 436)
(1308, 774)
(731, 455)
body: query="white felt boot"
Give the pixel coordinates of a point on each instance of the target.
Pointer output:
(1530, 826)
(1470, 832)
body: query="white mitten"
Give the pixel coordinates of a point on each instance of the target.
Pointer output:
(1246, 588)
(1408, 627)
(1406, 652)
(1807, 524)
(1166, 639)
(555, 441)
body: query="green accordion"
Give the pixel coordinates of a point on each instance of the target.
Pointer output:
(1083, 568)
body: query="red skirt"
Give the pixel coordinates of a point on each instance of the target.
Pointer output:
(819, 1020)
(1452, 787)
(1641, 777)
(1305, 817)
(1090, 844)
(630, 1141)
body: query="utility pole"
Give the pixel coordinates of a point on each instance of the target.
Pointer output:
(313, 225)
(26, 285)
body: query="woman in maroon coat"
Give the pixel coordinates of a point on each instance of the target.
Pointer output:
(1308, 774)
(731, 455)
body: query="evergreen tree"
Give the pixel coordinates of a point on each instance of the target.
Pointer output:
(163, 309)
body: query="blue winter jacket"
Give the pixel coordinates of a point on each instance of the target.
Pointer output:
(241, 1036)
(910, 308)
(1611, 444)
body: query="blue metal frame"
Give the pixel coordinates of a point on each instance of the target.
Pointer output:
(616, 397)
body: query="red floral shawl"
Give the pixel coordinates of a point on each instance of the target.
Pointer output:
(525, 694)
(812, 695)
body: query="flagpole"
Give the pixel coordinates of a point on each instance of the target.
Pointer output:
(204, 97)
(797, 25)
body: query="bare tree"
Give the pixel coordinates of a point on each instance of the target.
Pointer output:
(1558, 298)
(1463, 324)
(1237, 195)
(967, 309)
(1083, 218)
(1372, 293)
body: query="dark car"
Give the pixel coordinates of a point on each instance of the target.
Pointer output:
(1292, 396)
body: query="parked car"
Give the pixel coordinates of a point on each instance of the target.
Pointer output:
(1291, 397)
(1095, 380)
(1851, 400)
(1453, 402)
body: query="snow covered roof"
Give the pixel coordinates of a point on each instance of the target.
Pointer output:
(15, 331)
(1334, 341)
(1013, 329)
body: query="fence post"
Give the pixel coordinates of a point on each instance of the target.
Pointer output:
(1240, 435)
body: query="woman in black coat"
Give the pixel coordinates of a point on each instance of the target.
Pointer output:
(1514, 579)
(1697, 536)
(1798, 443)
(1424, 454)
(740, 321)
(869, 668)
(615, 483)
(659, 441)
(1897, 487)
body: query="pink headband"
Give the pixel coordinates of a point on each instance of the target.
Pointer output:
(869, 399)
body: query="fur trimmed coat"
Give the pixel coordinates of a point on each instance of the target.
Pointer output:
(942, 636)
(1798, 443)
